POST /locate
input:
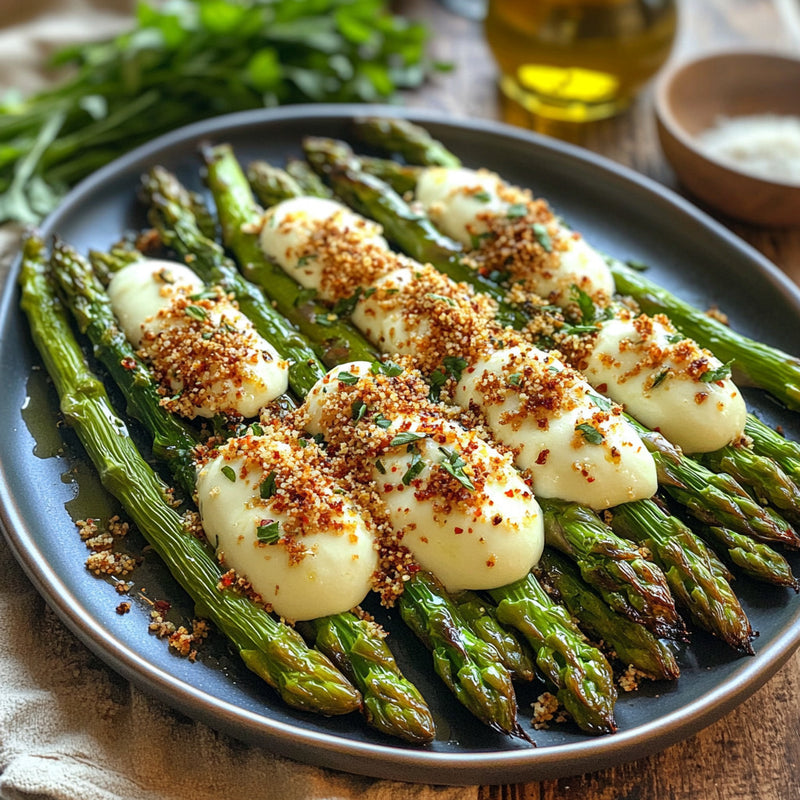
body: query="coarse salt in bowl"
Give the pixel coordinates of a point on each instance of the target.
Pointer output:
(729, 123)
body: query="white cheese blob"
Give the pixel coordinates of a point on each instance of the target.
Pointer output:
(143, 288)
(563, 433)
(288, 227)
(481, 538)
(459, 201)
(204, 350)
(639, 369)
(327, 569)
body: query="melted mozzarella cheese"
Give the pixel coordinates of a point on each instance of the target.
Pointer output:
(141, 289)
(325, 571)
(697, 416)
(288, 227)
(142, 294)
(492, 539)
(459, 202)
(576, 452)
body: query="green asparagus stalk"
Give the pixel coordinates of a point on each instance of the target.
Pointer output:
(767, 367)
(271, 184)
(178, 228)
(762, 474)
(303, 677)
(468, 666)
(405, 139)
(390, 702)
(310, 183)
(698, 580)
(175, 220)
(754, 559)
(174, 443)
(334, 341)
(482, 618)
(770, 443)
(580, 673)
(631, 643)
(628, 583)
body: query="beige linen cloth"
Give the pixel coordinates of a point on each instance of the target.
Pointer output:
(70, 728)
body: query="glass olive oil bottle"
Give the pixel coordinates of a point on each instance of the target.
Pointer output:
(578, 60)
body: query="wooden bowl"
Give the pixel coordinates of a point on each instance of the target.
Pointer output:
(692, 96)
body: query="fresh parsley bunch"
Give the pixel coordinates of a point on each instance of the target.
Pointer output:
(186, 60)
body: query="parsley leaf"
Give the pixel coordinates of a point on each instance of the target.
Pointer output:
(454, 465)
(267, 488)
(268, 531)
(407, 437)
(590, 433)
(719, 374)
(229, 473)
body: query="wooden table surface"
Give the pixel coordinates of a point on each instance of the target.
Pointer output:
(754, 752)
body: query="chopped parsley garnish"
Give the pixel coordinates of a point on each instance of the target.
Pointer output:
(269, 531)
(407, 437)
(454, 465)
(358, 409)
(543, 237)
(382, 422)
(452, 367)
(347, 378)
(229, 473)
(719, 374)
(674, 338)
(514, 378)
(414, 469)
(603, 403)
(346, 306)
(660, 378)
(482, 197)
(388, 368)
(585, 305)
(448, 300)
(256, 429)
(303, 260)
(195, 312)
(590, 433)
(206, 294)
(268, 487)
(379, 466)
(517, 210)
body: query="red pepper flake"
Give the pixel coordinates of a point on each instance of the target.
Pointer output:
(162, 606)
(542, 457)
(129, 363)
(458, 530)
(509, 493)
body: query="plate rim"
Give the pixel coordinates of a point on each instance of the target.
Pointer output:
(326, 749)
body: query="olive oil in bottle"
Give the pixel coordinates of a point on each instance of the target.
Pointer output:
(578, 60)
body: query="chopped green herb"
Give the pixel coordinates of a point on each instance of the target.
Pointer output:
(358, 409)
(388, 368)
(268, 531)
(660, 378)
(257, 429)
(407, 437)
(346, 306)
(229, 473)
(719, 374)
(382, 422)
(515, 378)
(325, 320)
(543, 237)
(304, 296)
(454, 465)
(380, 467)
(267, 488)
(585, 304)
(448, 300)
(590, 433)
(602, 402)
(517, 210)
(674, 338)
(414, 469)
(195, 312)
(303, 260)
(477, 239)
(482, 197)
(205, 294)
(347, 378)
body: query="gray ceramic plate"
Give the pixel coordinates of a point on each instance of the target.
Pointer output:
(46, 484)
